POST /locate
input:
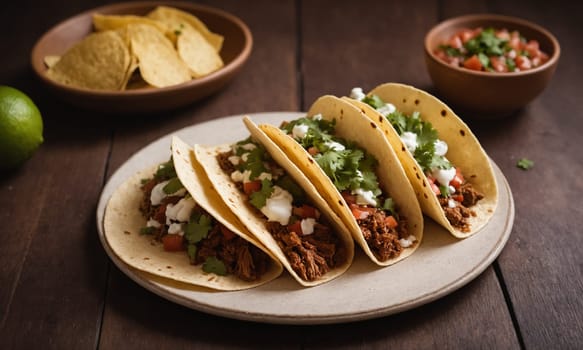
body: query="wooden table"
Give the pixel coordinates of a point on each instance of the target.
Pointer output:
(58, 288)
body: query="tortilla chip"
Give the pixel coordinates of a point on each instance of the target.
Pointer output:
(173, 17)
(112, 22)
(159, 63)
(197, 53)
(100, 61)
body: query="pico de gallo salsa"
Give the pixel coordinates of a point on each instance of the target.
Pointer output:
(491, 50)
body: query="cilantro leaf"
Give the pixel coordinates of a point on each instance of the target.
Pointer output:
(214, 265)
(173, 186)
(165, 171)
(197, 228)
(191, 250)
(287, 183)
(259, 198)
(148, 230)
(373, 101)
(525, 163)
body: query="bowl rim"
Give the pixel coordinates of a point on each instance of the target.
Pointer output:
(494, 17)
(224, 71)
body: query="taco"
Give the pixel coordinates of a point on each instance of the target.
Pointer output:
(449, 169)
(168, 221)
(358, 174)
(279, 206)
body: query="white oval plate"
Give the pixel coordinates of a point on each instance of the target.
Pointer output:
(440, 265)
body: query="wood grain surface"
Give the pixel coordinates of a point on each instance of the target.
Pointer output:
(59, 290)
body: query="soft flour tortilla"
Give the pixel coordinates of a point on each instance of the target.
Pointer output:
(252, 219)
(352, 126)
(464, 151)
(123, 220)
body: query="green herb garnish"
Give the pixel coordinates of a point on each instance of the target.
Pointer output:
(259, 198)
(197, 228)
(148, 230)
(524, 163)
(214, 265)
(173, 186)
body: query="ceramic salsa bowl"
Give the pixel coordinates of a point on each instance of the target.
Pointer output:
(480, 94)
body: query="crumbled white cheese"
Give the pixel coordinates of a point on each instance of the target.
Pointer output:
(245, 156)
(451, 203)
(158, 193)
(238, 176)
(407, 242)
(248, 146)
(180, 211)
(410, 140)
(235, 160)
(357, 94)
(264, 176)
(386, 109)
(299, 131)
(364, 197)
(317, 117)
(444, 176)
(307, 226)
(153, 223)
(335, 146)
(440, 148)
(278, 207)
(175, 229)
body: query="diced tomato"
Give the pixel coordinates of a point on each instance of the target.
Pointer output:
(172, 243)
(503, 34)
(473, 63)
(455, 42)
(458, 179)
(361, 212)
(433, 185)
(467, 34)
(391, 221)
(306, 211)
(515, 42)
(295, 227)
(523, 62)
(499, 64)
(349, 198)
(228, 234)
(458, 197)
(251, 186)
(532, 48)
(313, 151)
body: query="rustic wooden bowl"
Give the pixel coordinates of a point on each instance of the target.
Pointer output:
(236, 49)
(486, 95)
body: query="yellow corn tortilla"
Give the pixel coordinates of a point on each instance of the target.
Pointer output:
(123, 220)
(254, 221)
(352, 126)
(464, 151)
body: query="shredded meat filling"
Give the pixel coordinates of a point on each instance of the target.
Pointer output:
(240, 257)
(458, 215)
(382, 239)
(310, 256)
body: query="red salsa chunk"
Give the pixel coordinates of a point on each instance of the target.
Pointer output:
(491, 50)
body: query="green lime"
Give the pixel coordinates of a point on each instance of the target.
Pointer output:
(21, 127)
